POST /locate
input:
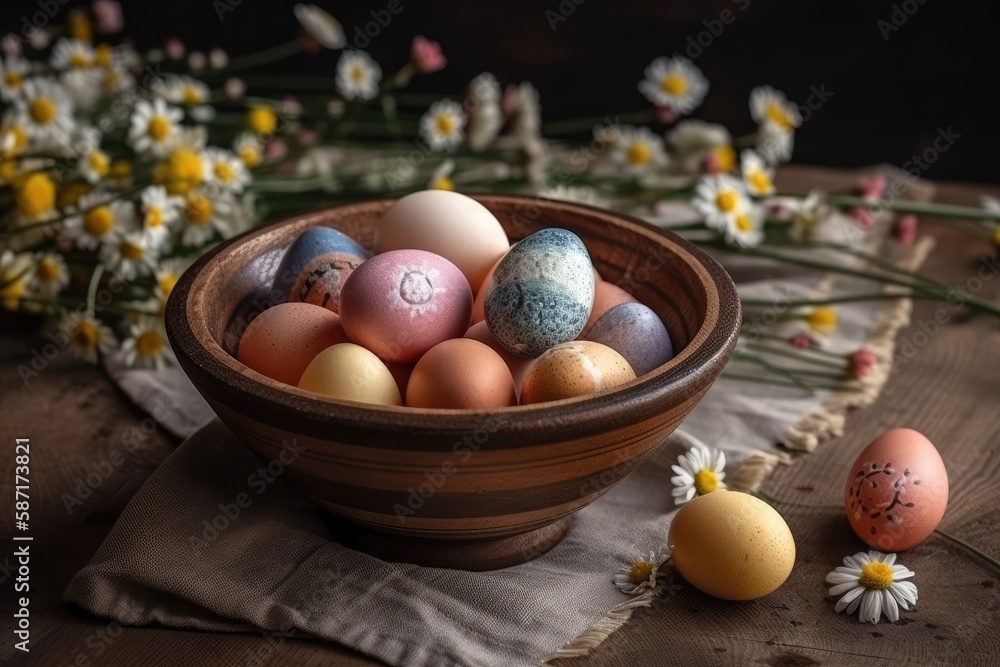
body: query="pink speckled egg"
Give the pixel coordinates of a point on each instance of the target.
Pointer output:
(404, 302)
(281, 341)
(897, 491)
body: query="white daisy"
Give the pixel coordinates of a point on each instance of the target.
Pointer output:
(358, 75)
(441, 177)
(147, 346)
(129, 255)
(701, 471)
(872, 582)
(49, 275)
(100, 220)
(641, 575)
(638, 149)
(154, 127)
(774, 145)
(178, 89)
(71, 54)
(746, 227)
(159, 212)
(608, 135)
(719, 198)
(116, 78)
(486, 116)
(204, 216)
(806, 215)
(698, 136)
(45, 111)
(442, 127)
(94, 164)
(13, 73)
(83, 86)
(770, 107)
(13, 137)
(15, 275)
(674, 83)
(250, 148)
(321, 26)
(168, 273)
(87, 336)
(757, 178)
(225, 170)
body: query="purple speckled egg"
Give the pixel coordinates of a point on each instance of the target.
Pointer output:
(401, 303)
(635, 332)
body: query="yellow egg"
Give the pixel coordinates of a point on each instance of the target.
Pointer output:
(574, 368)
(351, 372)
(732, 545)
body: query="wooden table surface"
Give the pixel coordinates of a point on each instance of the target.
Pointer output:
(76, 418)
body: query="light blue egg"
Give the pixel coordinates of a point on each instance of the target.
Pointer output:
(316, 264)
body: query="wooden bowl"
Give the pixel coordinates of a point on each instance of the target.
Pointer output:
(469, 489)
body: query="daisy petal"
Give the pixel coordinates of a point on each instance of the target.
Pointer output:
(891, 609)
(849, 598)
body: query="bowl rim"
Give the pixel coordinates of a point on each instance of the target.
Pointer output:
(680, 378)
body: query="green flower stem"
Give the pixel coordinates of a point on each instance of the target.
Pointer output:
(801, 355)
(920, 208)
(919, 295)
(860, 254)
(270, 55)
(790, 373)
(95, 280)
(58, 219)
(778, 383)
(958, 540)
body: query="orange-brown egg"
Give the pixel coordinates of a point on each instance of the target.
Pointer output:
(479, 307)
(281, 341)
(518, 366)
(460, 373)
(572, 369)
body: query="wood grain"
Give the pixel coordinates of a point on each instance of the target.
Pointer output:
(948, 391)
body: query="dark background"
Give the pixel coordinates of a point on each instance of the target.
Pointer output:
(890, 96)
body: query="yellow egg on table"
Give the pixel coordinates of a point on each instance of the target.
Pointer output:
(731, 545)
(352, 373)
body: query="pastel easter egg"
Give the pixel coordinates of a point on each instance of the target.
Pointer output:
(282, 340)
(575, 368)
(542, 292)
(897, 491)
(518, 366)
(635, 332)
(404, 302)
(449, 224)
(315, 266)
(606, 296)
(352, 373)
(460, 373)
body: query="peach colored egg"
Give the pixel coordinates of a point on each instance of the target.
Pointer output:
(606, 296)
(446, 223)
(897, 491)
(574, 368)
(352, 373)
(478, 308)
(518, 366)
(460, 373)
(404, 302)
(281, 341)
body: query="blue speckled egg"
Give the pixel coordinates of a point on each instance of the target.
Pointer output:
(316, 265)
(541, 294)
(635, 332)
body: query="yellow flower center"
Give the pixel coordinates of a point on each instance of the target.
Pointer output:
(43, 110)
(131, 251)
(99, 221)
(445, 124)
(154, 217)
(640, 572)
(86, 335)
(779, 116)
(358, 75)
(725, 157)
(99, 162)
(822, 320)
(36, 196)
(639, 153)
(262, 120)
(159, 128)
(79, 60)
(705, 481)
(149, 344)
(198, 210)
(166, 283)
(8, 170)
(71, 194)
(14, 140)
(744, 223)
(224, 172)
(250, 155)
(11, 293)
(121, 169)
(180, 172)
(191, 94)
(760, 181)
(443, 183)
(876, 575)
(726, 200)
(12, 79)
(47, 270)
(674, 84)
(79, 26)
(102, 55)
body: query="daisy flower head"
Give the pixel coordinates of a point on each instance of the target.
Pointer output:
(13, 137)
(71, 54)
(757, 178)
(699, 471)
(807, 215)
(719, 198)
(35, 197)
(94, 164)
(442, 126)
(639, 150)
(168, 273)
(15, 275)
(250, 149)
(154, 127)
(358, 75)
(674, 83)
(441, 177)
(147, 346)
(159, 211)
(13, 74)
(100, 220)
(641, 575)
(746, 226)
(183, 170)
(225, 170)
(87, 336)
(49, 275)
(45, 111)
(129, 255)
(204, 215)
(321, 26)
(774, 145)
(262, 120)
(184, 90)
(821, 320)
(770, 107)
(873, 583)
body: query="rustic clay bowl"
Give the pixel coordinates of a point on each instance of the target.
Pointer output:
(458, 488)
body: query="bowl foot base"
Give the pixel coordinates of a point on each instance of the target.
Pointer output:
(458, 554)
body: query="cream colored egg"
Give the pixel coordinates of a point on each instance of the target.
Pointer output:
(732, 545)
(350, 372)
(575, 368)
